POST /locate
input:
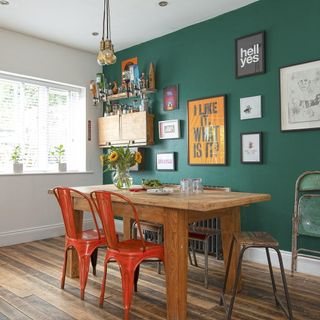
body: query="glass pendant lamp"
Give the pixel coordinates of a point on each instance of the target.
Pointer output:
(106, 54)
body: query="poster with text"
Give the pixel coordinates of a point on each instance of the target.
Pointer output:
(207, 131)
(250, 57)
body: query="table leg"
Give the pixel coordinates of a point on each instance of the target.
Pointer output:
(230, 223)
(176, 263)
(126, 228)
(73, 262)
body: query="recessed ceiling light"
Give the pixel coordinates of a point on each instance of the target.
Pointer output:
(95, 33)
(4, 2)
(163, 3)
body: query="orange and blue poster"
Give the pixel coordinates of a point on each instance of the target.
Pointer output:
(207, 131)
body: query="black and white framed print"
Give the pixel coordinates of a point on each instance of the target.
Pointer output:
(300, 96)
(166, 161)
(251, 147)
(250, 108)
(250, 55)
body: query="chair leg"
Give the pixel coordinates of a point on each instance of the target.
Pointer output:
(189, 254)
(285, 287)
(159, 241)
(84, 271)
(217, 236)
(272, 277)
(94, 258)
(127, 278)
(64, 268)
(136, 278)
(103, 285)
(294, 254)
(194, 253)
(206, 262)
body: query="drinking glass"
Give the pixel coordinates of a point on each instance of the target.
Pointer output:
(186, 185)
(197, 185)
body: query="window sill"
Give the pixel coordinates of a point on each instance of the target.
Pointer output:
(31, 173)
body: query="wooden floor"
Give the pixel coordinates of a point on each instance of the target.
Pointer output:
(30, 289)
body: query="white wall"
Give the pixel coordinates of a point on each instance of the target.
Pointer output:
(27, 212)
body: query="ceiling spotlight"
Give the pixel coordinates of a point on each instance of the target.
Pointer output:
(163, 3)
(95, 33)
(4, 2)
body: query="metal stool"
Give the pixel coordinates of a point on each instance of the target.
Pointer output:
(152, 232)
(255, 240)
(203, 234)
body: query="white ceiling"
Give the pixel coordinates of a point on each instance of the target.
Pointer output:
(71, 22)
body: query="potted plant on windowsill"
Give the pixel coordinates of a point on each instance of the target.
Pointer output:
(59, 153)
(16, 157)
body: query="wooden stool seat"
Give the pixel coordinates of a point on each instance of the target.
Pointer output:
(255, 240)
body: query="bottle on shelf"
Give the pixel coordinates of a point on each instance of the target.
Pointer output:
(152, 83)
(100, 80)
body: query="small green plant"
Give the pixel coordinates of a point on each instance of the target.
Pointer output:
(16, 155)
(58, 152)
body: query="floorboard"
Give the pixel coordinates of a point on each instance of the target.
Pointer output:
(30, 289)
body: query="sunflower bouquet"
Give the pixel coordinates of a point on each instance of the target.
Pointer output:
(120, 159)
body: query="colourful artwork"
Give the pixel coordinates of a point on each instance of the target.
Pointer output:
(170, 98)
(207, 131)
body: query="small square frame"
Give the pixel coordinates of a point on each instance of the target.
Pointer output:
(169, 129)
(250, 107)
(165, 161)
(251, 147)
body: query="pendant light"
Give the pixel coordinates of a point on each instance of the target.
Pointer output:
(106, 54)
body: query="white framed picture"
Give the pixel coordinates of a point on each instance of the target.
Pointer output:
(300, 96)
(250, 108)
(169, 129)
(166, 161)
(251, 147)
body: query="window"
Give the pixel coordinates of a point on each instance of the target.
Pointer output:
(38, 115)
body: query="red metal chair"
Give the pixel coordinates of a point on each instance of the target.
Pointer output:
(85, 243)
(129, 253)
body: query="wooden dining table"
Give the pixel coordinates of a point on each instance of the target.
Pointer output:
(175, 211)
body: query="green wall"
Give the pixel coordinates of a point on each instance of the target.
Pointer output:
(201, 60)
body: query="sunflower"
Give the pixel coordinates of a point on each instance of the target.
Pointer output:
(138, 157)
(113, 156)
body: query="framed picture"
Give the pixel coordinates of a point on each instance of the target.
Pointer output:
(250, 56)
(207, 131)
(300, 96)
(166, 161)
(169, 129)
(125, 64)
(251, 144)
(250, 107)
(170, 98)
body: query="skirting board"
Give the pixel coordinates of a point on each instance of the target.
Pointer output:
(37, 233)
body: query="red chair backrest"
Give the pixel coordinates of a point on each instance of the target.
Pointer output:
(103, 203)
(63, 195)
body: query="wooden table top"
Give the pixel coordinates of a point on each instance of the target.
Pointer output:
(206, 201)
